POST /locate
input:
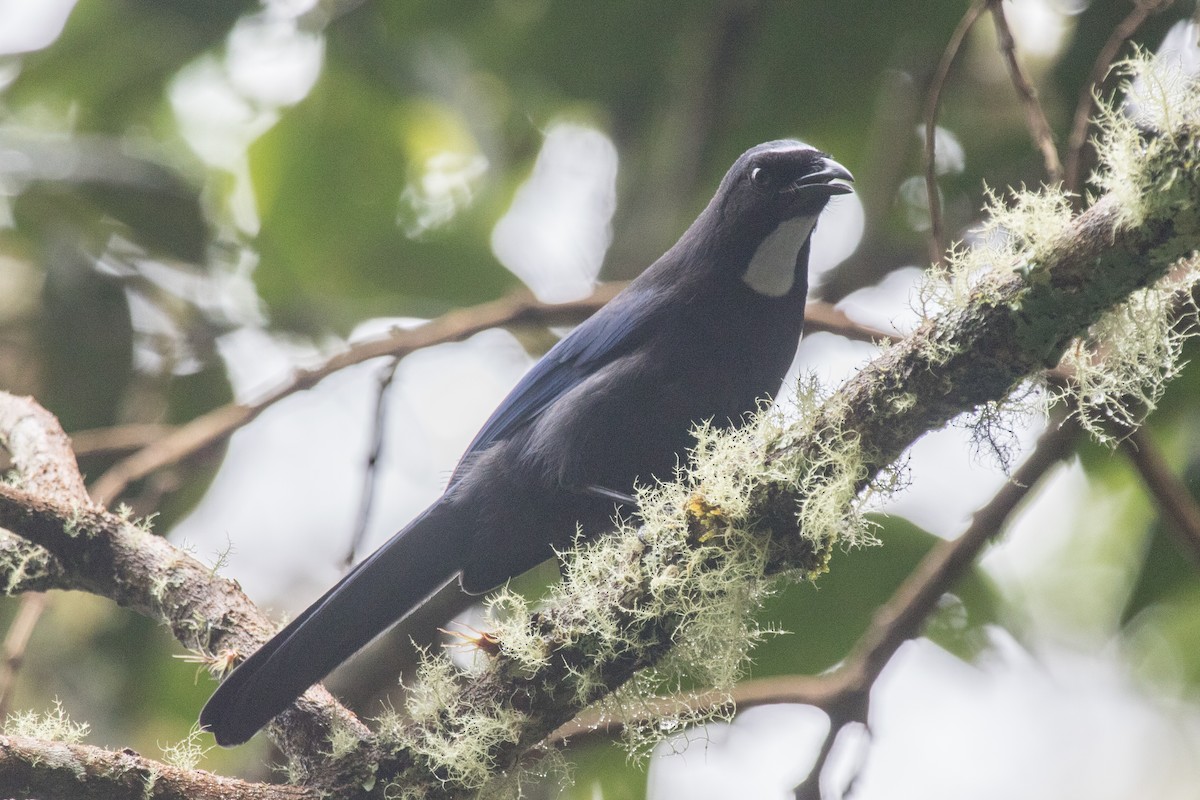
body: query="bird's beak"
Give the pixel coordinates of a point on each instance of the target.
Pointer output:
(823, 179)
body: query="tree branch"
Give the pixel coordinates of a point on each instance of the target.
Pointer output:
(937, 243)
(1035, 117)
(36, 768)
(1012, 325)
(1077, 138)
(844, 693)
(103, 553)
(1174, 500)
(519, 308)
(596, 633)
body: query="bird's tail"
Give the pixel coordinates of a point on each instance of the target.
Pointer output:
(381, 590)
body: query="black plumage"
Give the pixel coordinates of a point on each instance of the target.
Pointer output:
(705, 333)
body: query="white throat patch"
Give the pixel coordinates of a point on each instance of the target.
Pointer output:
(772, 270)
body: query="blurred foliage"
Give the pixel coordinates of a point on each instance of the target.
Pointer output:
(858, 582)
(143, 172)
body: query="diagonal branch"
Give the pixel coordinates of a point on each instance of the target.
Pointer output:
(843, 693)
(519, 308)
(106, 554)
(1035, 117)
(1011, 326)
(1172, 495)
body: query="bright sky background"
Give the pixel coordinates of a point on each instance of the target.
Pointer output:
(1064, 722)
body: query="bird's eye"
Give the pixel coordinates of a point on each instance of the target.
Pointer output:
(761, 178)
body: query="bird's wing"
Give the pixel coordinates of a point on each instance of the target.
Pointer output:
(628, 320)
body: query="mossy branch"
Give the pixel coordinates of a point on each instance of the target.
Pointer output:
(67, 542)
(38, 768)
(632, 601)
(666, 603)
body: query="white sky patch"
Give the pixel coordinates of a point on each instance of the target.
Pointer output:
(286, 494)
(1039, 27)
(949, 157)
(219, 124)
(839, 230)
(1045, 727)
(224, 105)
(27, 25)
(271, 61)
(558, 229)
(886, 305)
(762, 754)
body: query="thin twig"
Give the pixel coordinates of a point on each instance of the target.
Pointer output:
(371, 473)
(1174, 499)
(937, 244)
(16, 642)
(1035, 116)
(519, 308)
(217, 425)
(904, 614)
(810, 787)
(118, 440)
(1077, 139)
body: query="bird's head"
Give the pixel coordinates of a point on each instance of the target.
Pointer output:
(765, 210)
(777, 181)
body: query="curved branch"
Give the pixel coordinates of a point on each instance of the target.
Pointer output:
(519, 308)
(1169, 491)
(843, 693)
(937, 243)
(1013, 327)
(107, 555)
(1077, 138)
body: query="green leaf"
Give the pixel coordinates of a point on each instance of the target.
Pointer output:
(825, 619)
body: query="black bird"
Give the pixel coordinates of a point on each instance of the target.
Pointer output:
(705, 333)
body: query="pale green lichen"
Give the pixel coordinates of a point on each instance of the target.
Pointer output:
(343, 740)
(1148, 157)
(694, 568)
(699, 559)
(1018, 231)
(23, 563)
(1138, 169)
(1121, 369)
(459, 748)
(188, 752)
(510, 611)
(52, 725)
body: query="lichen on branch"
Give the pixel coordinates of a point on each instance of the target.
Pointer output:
(666, 604)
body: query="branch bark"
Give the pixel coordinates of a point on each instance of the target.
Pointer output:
(519, 308)
(36, 768)
(1010, 329)
(970, 355)
(1012, 326)
(78, 545)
